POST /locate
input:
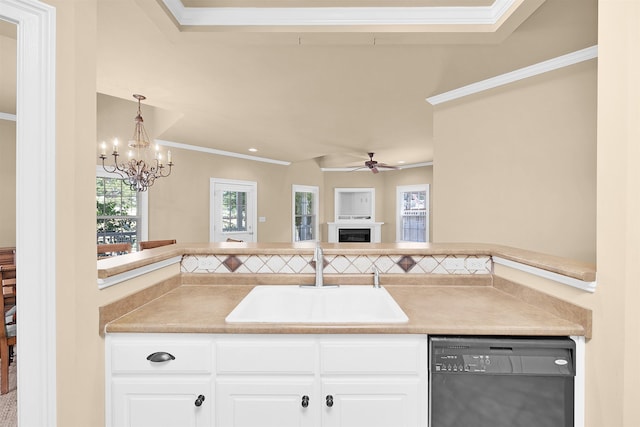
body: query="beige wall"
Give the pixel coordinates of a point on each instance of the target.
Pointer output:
(521, 171)
(613, 380)
(179, 205)
(615, 397)
(8, 180)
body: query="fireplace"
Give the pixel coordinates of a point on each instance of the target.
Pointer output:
(354, 231)
(354, 235)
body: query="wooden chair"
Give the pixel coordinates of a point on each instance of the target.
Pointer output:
(8, 256)
(8, 327)
(113, 249)
(150, 244)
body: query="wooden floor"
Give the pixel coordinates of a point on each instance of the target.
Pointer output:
(8, 402)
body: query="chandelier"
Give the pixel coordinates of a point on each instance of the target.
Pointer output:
(144, 164)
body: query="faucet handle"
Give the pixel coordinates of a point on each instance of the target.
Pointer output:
(376, 277)
(318, 254)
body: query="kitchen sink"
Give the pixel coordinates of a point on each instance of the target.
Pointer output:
(295, 304)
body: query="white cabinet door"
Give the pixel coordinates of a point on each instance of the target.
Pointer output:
(352, 402)
(145, 402)
(272, 402)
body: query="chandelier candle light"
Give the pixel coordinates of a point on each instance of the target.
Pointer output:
(144, 165)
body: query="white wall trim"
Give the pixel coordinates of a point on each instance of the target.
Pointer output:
(566, 280)
(325, 16)
(36, 207)
(579, 385)
(128, 275)
(7, 116)
(520, 74)
(190, 147)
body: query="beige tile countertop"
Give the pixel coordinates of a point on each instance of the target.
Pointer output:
(579, 270)
(450, 309)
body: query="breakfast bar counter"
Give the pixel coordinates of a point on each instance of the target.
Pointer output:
(449, 309)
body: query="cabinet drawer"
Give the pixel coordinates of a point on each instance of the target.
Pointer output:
(271, 356)
(373, 356)
(188, 356)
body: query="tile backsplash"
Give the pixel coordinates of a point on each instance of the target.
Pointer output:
(337, 264)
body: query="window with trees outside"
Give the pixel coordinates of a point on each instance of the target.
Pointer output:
(121, 215)
(413, 213)
(305, 213)
(234, 211)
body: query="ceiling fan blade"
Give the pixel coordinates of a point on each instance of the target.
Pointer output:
(386, 166)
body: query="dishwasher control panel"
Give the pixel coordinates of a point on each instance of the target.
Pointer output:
(464, 363)
(512, 356)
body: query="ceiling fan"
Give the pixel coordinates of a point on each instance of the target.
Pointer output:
(374, 165)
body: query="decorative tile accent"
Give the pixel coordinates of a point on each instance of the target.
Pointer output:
(337, 264)
(406, 263)
(232, 263)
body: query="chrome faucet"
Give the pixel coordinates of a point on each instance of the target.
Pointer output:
(376, 277)
(318, 257)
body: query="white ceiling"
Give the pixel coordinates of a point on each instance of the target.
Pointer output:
(330, 92)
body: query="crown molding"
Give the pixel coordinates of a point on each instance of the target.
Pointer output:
(208, 150)
(337, 16)
(514, 76)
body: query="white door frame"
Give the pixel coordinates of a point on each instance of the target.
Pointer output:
(252, 221)
(416, 187)
(35, 207)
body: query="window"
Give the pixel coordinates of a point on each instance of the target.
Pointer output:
(121, 213)
(305, 213)
(413, 213)
(234, 211)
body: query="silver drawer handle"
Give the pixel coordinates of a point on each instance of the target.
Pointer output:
(160, 356)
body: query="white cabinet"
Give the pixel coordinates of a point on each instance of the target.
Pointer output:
(174, 390)
(267, 380)
(265, 402)
(384, 402)
(166, 402)
(377, 381)
(322, 380)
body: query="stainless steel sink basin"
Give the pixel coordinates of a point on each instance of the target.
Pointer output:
(294, 304)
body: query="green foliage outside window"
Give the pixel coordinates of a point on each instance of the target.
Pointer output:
(234, 211)
(116, 211)
(304, 218)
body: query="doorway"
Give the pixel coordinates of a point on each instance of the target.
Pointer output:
(35, 223)
(233, 210)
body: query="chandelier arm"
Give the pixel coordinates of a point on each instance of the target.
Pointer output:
(116, 169)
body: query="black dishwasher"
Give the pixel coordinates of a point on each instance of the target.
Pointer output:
(501, 382)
